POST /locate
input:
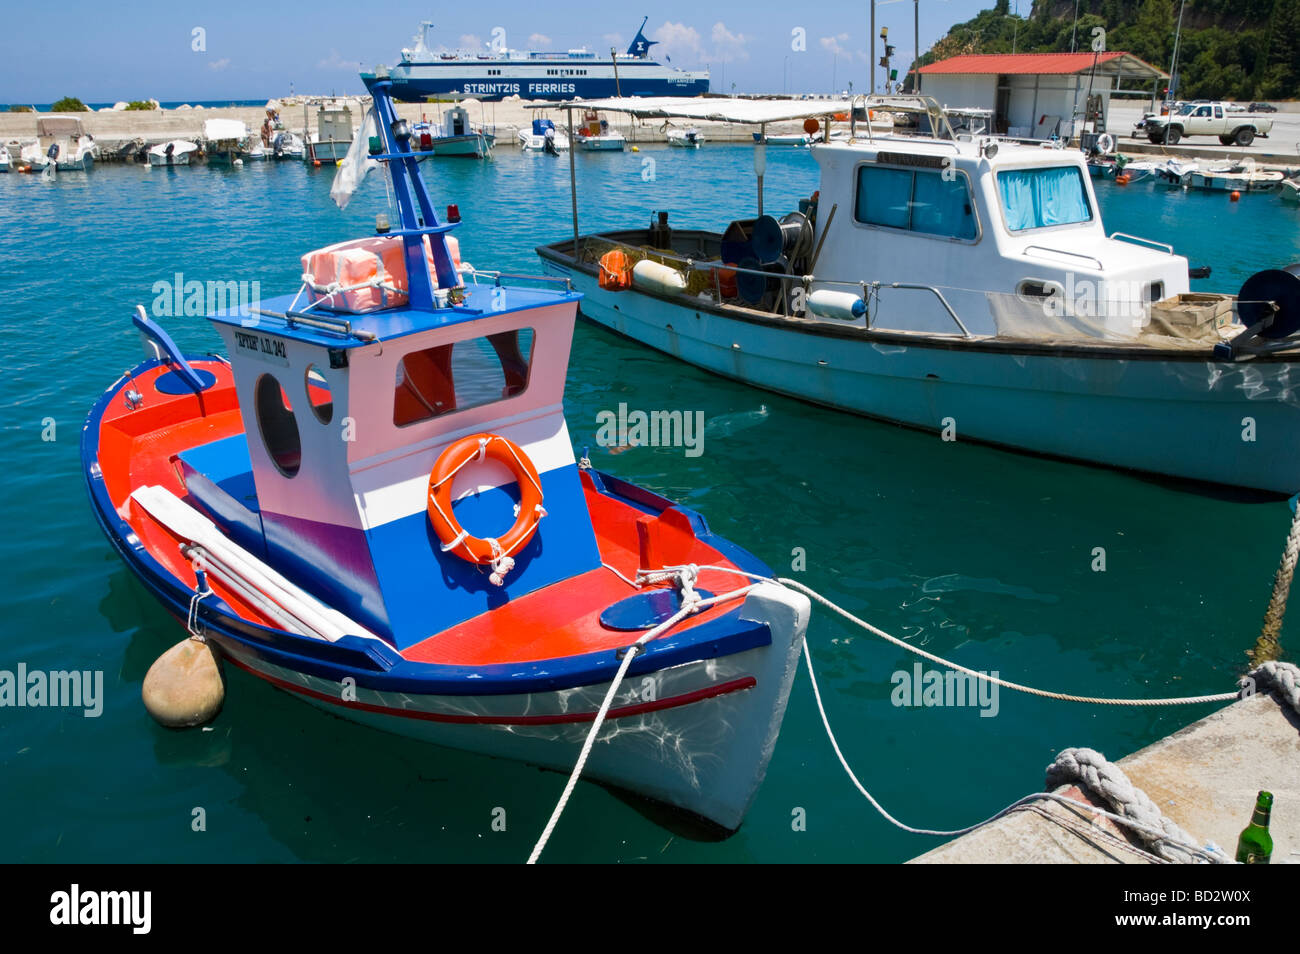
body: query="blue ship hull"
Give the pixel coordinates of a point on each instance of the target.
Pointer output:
(418, 90)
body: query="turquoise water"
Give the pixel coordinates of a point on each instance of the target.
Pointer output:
(977, 554)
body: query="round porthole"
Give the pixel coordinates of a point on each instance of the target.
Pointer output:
(277, 425)
(319, 395)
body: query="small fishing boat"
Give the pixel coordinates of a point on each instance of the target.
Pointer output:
(288, 145)
(1243, 176)
(309, 506)
(543, 136)
(1174, 172)
(4, 159)
(797, 140)
(333, 135)
(1291, 190)
(225, 141)
(597, 135)
(174, 153)
(966, 287)
(61, 141)
(455, 136)
(688, 138)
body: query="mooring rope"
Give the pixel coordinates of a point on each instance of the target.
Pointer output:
(691, 603)
(1087, 766)
(1156, 833)
(986, 677)
(1268, 637)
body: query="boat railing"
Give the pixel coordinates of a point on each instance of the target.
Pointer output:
(326, 323)
(496, 277)
(1142, 241)
(714, 268)
(1062, 251)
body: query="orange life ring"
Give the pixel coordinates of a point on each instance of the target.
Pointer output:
(455, 539)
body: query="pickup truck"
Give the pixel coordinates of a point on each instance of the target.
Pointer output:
(1206, 119)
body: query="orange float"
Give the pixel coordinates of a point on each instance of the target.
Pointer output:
(455, 538)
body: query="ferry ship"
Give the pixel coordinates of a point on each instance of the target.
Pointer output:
(495, 74)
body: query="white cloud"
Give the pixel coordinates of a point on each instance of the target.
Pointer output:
(539, 41)
(837, 45)
(729, 46)
(336, 62)
(685, 43)
(470, 41)
(615, 39)
(220, 64)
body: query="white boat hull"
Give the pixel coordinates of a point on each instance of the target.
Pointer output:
(704, 749)
(601, 143)
(1187, 417)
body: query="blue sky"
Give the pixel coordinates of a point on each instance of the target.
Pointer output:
(143, 48)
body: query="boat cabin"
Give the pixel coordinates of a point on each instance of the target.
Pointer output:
(990, 230)
(351, 390)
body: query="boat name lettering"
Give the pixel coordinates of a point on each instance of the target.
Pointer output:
(261, 346)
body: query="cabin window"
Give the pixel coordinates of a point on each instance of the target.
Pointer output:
(916, 200)
(319, 395)
(461, 375)
(275, 422)
(1038, 198)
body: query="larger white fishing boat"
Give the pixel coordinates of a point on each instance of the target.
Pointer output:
(966, 287)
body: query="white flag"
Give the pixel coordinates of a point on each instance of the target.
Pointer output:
(356, 163)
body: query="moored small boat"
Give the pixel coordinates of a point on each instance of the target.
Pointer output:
(597, 135)
(61, 141)
(688, 138)
(797, 140)
(175, 153)
(455, 136)
(225, 141)
(1240, 177)
(1290, 193)
(543, 136)
(308, 506)
(5, 161)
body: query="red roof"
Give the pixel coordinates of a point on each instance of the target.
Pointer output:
(1018, 63)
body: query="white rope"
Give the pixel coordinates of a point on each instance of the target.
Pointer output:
(687, 609)
(1154, 833)
(192, 620)
(986, 677)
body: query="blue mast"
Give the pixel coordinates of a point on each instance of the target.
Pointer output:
(415, 209)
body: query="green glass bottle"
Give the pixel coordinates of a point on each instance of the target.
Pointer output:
(1255, 846)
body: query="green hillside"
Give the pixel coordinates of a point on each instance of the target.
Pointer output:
(1231, 49)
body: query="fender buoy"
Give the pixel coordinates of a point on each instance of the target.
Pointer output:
(1235, 196)
(1122, 179)
(615, 271)
(455, 538)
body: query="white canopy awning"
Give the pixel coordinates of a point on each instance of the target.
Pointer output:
(715, 109)
(220, 129)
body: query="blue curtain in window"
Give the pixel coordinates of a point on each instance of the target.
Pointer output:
(1034, 198)
(883, 196)
(942, 208)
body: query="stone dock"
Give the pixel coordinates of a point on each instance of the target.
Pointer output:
(123, 133)
(1204, 777)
